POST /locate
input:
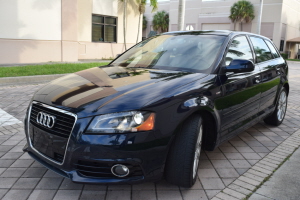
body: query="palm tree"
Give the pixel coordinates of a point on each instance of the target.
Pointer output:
(124, 20)
(241, 11)
(145, 22)
(161, 21)
(260, 15)
(141, 7)
(181, 14)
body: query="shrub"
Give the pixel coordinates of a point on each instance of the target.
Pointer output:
(284, 55)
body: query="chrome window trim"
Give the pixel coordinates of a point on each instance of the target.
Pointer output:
(55, 109)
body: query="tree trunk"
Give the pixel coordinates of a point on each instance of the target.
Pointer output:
(181, 14)
(260, 16)
(234, 23)
(241, 26)
(124, 22)
(137, 38)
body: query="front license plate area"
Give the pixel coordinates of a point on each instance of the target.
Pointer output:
(48, 144)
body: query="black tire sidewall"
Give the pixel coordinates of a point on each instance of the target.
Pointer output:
(182, 153)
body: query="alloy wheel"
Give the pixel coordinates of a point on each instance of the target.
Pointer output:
(197, 152)
(281, 106)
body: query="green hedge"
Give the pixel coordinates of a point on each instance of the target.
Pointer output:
(284, 55)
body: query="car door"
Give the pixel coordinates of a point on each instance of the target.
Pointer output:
(270, 64)
(240, 92)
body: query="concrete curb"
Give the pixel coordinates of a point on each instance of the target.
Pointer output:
(50, 63)
(251, 180)
(25, 80)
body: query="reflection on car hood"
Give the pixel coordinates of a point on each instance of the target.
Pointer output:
(111, 89)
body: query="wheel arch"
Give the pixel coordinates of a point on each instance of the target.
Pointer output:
(210, 133)
(210, 127)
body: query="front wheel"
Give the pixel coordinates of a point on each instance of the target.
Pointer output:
(276, 118)
(183, 159)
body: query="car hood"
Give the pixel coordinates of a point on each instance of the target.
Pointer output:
(103, 90)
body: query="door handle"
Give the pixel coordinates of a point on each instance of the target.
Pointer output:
(257, 79)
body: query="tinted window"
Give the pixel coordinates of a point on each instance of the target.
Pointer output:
(191, 53)
(97, 19)
(239, 49)
(97, 32)
(104, 28)
(272, 48)
(110, 20)
(262, 51)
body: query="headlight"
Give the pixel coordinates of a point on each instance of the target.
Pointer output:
(122, 122)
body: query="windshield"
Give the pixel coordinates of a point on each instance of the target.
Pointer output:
(191, 53)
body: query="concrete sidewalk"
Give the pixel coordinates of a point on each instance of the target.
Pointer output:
(284, 184)
(28, 80)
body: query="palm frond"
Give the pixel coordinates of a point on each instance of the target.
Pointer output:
(161, 21)
(154, 5)
(242, 11)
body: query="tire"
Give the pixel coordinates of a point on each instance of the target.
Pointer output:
(183, 159)
(277, 117)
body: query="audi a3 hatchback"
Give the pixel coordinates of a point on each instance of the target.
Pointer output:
(150, 111)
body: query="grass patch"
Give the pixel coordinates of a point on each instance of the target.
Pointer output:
(293, 60)
(58, 68)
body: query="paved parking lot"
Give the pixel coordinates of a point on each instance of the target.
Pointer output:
(23, 178)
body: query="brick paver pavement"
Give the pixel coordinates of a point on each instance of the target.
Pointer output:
(235, 167)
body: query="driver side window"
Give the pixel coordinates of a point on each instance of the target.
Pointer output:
(239, 49)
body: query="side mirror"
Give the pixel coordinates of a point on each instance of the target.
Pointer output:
(239, 66)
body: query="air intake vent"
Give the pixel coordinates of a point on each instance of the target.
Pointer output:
(103, 170)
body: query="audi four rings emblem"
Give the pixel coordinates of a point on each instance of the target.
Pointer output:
(45, 119)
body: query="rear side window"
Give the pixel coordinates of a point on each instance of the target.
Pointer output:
(272, 48)
(239, 49)
(261, 50)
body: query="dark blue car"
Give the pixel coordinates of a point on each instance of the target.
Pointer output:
(150, 111)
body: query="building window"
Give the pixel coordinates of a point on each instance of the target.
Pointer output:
(104, 28)
(281, 45)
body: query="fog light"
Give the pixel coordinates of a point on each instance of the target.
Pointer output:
(120, 170)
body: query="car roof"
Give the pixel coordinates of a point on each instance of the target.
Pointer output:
(234, 33)
(197, 32)
(213, 32)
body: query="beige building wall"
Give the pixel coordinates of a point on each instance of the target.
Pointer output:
(291, 17)
(60, 30)
(98, 50)
(30, 31)
(105, 7)
(132, 23)
(69, 44)
(30, 19)
(84, 14)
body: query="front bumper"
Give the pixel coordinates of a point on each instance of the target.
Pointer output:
(76, 176)
(89, 158)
